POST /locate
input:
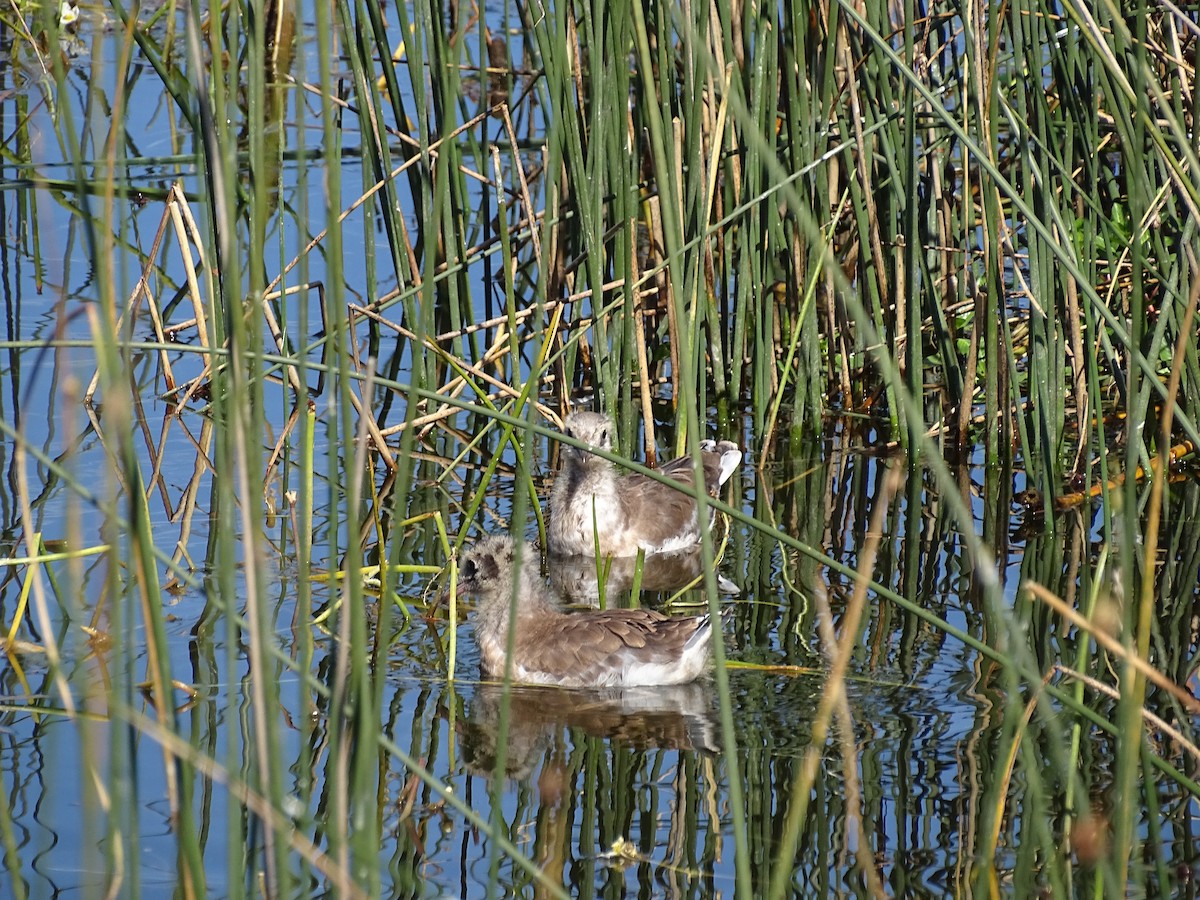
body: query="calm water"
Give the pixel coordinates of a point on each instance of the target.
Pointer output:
(577, 772)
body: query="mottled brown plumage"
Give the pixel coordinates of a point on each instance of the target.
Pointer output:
(592, 648)
(592, 504)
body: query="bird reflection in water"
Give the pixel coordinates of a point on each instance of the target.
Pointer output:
(674, 717)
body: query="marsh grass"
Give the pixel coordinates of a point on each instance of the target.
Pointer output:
(969, 234)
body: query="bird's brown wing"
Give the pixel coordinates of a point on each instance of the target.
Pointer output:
(681, 469)
(580, 648)
(655, 512)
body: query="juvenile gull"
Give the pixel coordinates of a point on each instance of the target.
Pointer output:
(630, 512)
(591, 648)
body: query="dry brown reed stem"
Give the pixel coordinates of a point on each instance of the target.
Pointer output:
(663, 288)
(369, 425)
(639, 336)
(1113, 646)
(862, 155)
(178, 327)
(526, 199)
(991, 839)
(835, 684)
(143, 288)
(848, 749)
(456, 385)
(1188, 746)
(714, 134)
(116, 472)
(186, 509)
(40, 607)
(684, 328)
(288, 428)
(1160, 463)
(480, 70)
(277, 332)
(180, 211)
(1154, 517)
(371, 192)
(426, 422)
(154, 449)
(606, 288)
(971, 369)
(187, 234)
(1074, 327)
(498, 349)
(493, 322)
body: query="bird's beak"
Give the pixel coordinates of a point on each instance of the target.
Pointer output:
(462, 589)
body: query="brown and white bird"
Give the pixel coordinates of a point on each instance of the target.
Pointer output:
(591, 504)
(590, 648)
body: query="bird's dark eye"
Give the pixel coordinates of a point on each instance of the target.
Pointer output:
(468, 569)
(603, 436)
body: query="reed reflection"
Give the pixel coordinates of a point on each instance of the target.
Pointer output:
(675, 717)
